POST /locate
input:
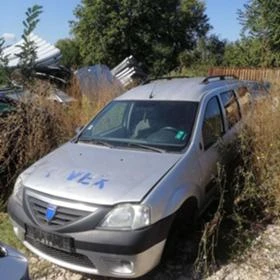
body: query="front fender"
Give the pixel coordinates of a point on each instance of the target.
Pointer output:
(167, 200)
(180, 195)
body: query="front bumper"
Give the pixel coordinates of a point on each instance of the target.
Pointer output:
(125, 254)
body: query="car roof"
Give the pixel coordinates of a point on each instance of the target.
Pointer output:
(179, 89)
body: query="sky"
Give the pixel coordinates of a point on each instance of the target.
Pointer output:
(223, 17)
(54, 21)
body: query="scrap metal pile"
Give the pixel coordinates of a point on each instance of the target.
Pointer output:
(47, 67)
(129, 72)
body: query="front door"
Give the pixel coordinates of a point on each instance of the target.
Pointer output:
(212, 132)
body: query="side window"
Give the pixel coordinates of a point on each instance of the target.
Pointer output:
(244, 98)
(231, 106)
(212, 124)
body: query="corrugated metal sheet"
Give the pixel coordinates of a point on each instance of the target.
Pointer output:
(46, 53)
(128, 71)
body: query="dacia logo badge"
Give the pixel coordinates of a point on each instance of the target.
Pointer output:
(50, 212)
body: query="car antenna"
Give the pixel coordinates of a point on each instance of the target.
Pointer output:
(152, 92)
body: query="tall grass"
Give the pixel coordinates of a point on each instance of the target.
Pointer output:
(265, 139)
(260, 152)
(39, 125)
(250, 187)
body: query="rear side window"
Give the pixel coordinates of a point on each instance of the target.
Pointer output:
(212, 124)
(231, 106)
(244, 98)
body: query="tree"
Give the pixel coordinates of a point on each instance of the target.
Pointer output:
(260, 20)
(245, 53)
(155, 32)
(28, 55)
(71, 56)
(4, 73)
(209, 51)
(215, 49)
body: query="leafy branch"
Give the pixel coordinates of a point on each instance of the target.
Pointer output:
(3, 64)
(28, 53)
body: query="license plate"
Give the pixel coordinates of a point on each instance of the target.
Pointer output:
(50, 239)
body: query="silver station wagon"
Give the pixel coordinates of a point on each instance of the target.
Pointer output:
(104, 203)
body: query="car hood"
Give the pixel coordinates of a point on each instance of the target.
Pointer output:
(97, 174)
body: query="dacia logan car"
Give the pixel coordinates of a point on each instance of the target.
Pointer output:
(104, 202)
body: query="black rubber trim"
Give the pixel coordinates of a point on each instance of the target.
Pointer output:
(127, 242)
(210, 186)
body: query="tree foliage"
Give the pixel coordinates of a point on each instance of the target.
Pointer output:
(209, 51)
(243, 53)
(4, 73)
(155, 32)
(27, 55)
(70, 52)
(261, 30)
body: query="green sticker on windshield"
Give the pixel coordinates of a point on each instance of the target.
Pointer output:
(181, 135)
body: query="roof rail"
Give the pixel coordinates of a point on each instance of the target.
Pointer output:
(219, 78)
(147, 81)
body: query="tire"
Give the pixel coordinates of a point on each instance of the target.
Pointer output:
(182, 227)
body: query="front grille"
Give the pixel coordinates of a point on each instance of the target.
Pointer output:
(72, 258)
(62, 217)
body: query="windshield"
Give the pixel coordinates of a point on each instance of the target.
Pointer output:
(166, 125)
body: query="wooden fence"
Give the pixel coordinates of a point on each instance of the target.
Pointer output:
(258, 74)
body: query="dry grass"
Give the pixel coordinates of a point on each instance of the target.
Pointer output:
(250, 193)
(39, 125)
(95, 96)
(265, 140)
(252, 188)
(259, 147)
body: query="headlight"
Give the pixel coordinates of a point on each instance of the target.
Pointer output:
(18, 189)
(127, 217)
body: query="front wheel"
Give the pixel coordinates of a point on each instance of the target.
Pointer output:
(181, 234)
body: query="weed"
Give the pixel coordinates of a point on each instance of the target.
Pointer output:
(7, 235)
(39, 125)
(249, 188)
(205, 262)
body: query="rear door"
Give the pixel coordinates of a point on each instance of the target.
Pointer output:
(232, 114)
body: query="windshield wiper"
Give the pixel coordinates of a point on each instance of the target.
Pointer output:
(96, 142)
(146, 147)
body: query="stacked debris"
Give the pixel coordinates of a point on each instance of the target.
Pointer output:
(47, 54)
(91, 79)
(57, 74)
(129, 72)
